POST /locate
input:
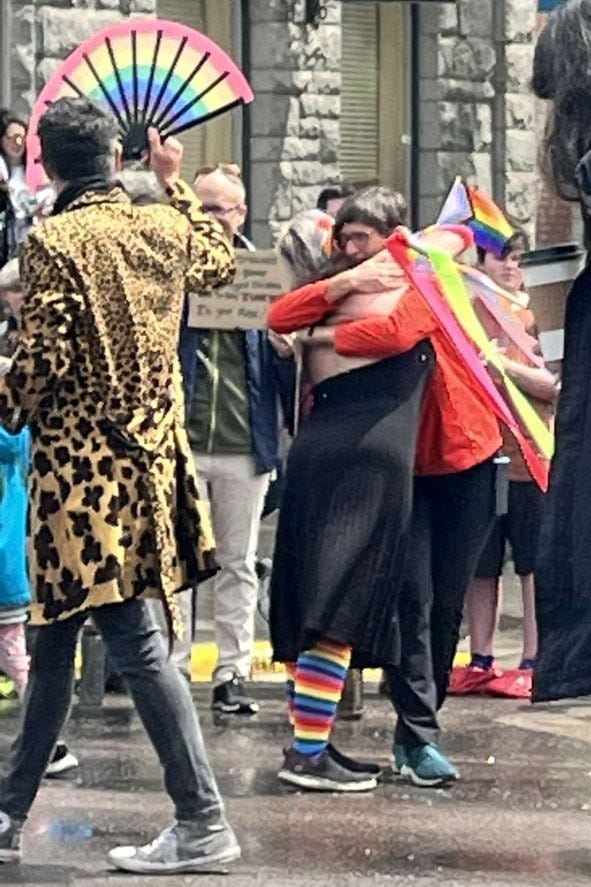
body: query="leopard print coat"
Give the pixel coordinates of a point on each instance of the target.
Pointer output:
(114, 511)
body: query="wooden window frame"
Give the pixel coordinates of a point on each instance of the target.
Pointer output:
(393, 99)
(394, 149)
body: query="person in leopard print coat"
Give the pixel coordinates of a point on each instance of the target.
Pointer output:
(114, 509)
(114, 514)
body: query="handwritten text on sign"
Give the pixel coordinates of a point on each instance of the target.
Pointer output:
(242, 305)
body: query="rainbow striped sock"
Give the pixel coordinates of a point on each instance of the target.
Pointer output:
(319, 681)
(290, 671)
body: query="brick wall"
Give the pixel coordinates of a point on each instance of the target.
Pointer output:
(456, 65)
(515, 134)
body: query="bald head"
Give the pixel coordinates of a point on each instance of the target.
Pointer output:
(224, 196)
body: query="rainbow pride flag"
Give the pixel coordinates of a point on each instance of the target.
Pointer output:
(457, 208)
(491, 229)
(438, 278)
(466, 204)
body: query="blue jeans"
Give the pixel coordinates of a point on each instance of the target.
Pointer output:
(161, 696)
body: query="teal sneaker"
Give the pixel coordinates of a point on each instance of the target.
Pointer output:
(428, 767)
(398, 758)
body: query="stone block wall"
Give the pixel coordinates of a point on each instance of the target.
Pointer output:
(516, 172)
(46, 31)
(295, 118)
(295, 74)
(477, 115)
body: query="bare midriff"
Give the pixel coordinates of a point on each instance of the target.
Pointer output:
(321, 362)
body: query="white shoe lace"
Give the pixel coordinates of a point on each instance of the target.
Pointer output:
(163, 847)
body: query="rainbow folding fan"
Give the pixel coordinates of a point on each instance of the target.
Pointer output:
(146, 72)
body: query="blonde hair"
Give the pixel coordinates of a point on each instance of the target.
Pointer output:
(305, 247)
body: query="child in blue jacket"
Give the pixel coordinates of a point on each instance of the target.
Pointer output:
(14, 582)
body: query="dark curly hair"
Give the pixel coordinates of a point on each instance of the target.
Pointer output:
(562, 74)
(339, 191)
(77, 139)
(377, 207)
(518, 242)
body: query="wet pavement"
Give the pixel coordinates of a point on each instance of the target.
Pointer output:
(521, 814)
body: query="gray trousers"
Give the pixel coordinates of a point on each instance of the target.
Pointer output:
(237, 495)
(181, 649)
(161, 696)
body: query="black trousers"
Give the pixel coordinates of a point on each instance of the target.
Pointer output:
(452, 517)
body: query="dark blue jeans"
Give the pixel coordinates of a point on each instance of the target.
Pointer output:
(161, 696)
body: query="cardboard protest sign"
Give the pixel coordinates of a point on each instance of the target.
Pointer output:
(243, 304)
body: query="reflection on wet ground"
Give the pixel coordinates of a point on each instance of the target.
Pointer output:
(519, 816)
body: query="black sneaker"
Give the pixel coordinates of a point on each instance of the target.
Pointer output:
(230, 698)
(351, 764)
(322, 774)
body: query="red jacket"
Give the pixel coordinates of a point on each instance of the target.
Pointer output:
(457, 429)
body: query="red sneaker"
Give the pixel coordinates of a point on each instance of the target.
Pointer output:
(469, 680)
(515, 684)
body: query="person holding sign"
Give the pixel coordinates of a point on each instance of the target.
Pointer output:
(231, 391)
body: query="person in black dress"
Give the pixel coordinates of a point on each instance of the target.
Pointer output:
(562, 75)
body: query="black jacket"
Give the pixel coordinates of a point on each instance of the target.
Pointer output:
(563, 575)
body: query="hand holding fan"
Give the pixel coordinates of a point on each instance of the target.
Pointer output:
(146, 72)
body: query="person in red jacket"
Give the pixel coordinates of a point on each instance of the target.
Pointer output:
(343, 526)
(458, 493)
(454, 490)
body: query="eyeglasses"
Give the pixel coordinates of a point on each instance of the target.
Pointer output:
(228, 169)
(216, 210)
(358, 238)
(16, 137)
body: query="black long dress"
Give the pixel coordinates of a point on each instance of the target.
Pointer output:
(345, 513)
(563, 574)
